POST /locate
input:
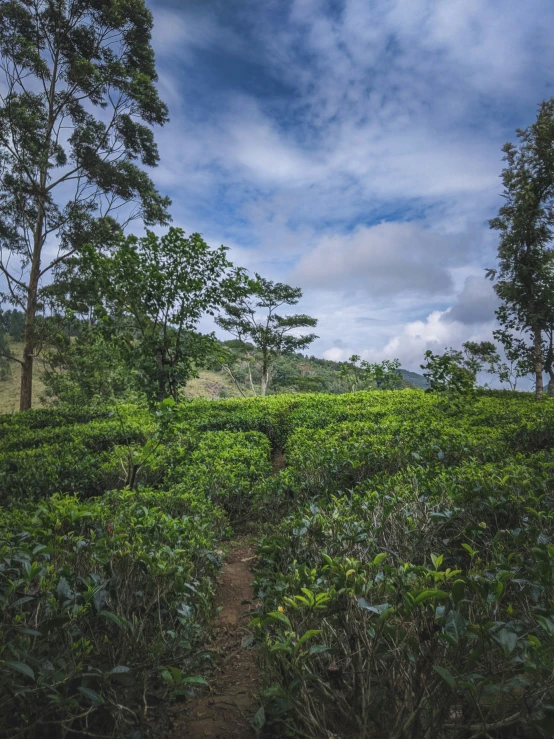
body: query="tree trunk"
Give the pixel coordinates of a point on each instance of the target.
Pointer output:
(537, 361)
(265, 373)
(26, 394)
(550, 388)
(29, 339)
(251, 381)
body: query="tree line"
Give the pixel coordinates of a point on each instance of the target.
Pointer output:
(77, 111)
(78, 108)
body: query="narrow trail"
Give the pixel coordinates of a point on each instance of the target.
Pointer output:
(225, 712)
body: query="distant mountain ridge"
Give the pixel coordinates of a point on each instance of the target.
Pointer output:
(415, 378)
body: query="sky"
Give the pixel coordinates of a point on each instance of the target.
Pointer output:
(353, 148)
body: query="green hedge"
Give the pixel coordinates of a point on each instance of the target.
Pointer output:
(407, 585)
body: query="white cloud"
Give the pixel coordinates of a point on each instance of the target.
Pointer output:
(387, 259)
(434, 333)
(367, 176)
(335, 354)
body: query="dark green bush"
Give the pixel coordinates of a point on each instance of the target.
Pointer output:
(96, 598)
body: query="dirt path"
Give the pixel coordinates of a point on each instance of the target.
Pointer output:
(224, 712)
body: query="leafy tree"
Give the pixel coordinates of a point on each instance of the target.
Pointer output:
(85, 369)
(483, 356)
(456, 371)
(77, 107)
(359, 374)
(449, 372)
(253, 318)
(154, 291)
(525, 279)
(13, 323)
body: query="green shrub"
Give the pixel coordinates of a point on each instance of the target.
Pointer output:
(411, 590)
(227, 466)
(96, 598)
(406, 577)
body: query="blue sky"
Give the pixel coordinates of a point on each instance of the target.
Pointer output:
(353, 148)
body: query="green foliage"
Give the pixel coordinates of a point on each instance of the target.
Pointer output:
(69, 458)
(407, 589)
(449, 372)
(86, 369)
(262, 333)
(143, 303)
(12, 322)
(360, 374)
(456, 371)
(76, 117)
(405, 575)
(87, 592)
(154, 291)
(226, 466)
(525, 281)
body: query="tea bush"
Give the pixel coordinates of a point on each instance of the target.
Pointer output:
(226, 467)
(96, 597)
(406, 562)
(105, 594)
(411, 592)
(38, 461)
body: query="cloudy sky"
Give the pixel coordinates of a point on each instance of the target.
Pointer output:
(353, 148)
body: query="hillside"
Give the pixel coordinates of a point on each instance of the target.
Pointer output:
(414, 379)
(295, 373)
(10, 383)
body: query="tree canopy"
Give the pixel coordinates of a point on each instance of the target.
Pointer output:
(151, 293)
(77, 108)
(253, 317)
(525, 277)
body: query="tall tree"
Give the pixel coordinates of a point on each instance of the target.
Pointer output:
(253, 317)
(525, 281)
(77, 107)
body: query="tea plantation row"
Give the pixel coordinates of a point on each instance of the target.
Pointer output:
(405, 577)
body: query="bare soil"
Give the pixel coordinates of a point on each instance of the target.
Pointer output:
(225, 711)
(278, 461)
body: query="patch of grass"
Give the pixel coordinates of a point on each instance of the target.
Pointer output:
(211, 385)
(9, 388)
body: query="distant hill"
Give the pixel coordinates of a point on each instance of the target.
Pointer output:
(295, 373)
(415, 379)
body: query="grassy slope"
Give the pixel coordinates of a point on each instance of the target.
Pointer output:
(9, 388)
(211, 385)
(415, 378)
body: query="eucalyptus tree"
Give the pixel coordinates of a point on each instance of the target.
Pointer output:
(253, 317)
(78, 101)
(525, 279)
